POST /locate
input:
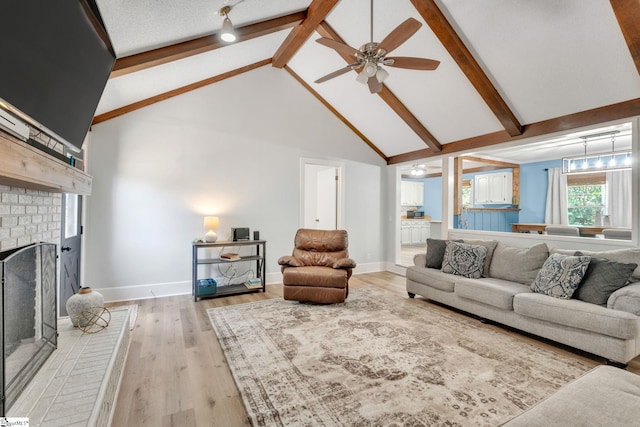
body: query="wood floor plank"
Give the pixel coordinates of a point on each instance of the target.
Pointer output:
(176, 373)
(183, 419)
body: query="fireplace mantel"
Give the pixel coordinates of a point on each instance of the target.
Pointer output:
(22, 165)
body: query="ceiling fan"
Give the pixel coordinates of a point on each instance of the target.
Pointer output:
(372, 55)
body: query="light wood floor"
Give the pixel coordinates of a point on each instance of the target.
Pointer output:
(176, 374)
(407, 252)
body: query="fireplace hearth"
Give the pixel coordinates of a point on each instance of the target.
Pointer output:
(29, 316)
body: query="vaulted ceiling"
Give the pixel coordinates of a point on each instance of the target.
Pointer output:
(509, 69)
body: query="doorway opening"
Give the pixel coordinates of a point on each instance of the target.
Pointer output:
(321, 187)
(70, 249)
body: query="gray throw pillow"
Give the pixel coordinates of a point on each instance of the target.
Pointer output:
(602, 278)
(560, 275)
(464, 260)
(627, 255)
(435, 252)
(518, 264)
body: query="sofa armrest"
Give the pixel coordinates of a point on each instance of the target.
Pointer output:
(626, 299)
(344, 263)
(420, 260)
(290, 261)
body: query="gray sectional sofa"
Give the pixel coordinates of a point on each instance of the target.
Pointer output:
(503, 294)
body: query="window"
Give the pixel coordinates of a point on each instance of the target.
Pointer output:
(466, 193)
(587, 198)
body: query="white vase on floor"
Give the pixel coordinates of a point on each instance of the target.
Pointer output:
(86, 298)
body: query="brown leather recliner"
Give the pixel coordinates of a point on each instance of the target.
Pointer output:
(320, 267)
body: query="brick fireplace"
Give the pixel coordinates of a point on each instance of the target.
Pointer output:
(28, 216)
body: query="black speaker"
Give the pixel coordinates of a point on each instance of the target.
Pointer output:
(256, 235)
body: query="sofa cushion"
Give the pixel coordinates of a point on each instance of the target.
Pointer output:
(495, 292)
(464, 260)
(577, 314)
(560, 275)
(491, 246)
(602, 278)
(518, 264)
(604, 396)
(629, 255)
(435, 252)
(431, 277)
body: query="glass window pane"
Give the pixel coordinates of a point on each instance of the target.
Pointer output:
(70, 215)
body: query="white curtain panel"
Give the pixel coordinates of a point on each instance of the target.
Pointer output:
(619, 198)
(556, 211)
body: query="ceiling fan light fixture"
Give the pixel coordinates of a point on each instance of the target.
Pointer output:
(227, 33)
(382, 74)
(370, 69)
(362, 77)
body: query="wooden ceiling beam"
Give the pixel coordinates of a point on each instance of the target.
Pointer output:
(604, 114)
(628, 15)
(317, 11)
(163, 55)
(175, 92)
(467, 63)
(335, 112)
(387, 96)
(491, 162)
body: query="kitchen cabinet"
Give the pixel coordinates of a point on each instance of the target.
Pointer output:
(414, 232)
(411, 193)
(493, 188)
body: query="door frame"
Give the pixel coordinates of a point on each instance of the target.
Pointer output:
(340, 190)
(80, 212)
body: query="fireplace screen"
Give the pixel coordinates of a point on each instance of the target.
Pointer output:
(29, 317)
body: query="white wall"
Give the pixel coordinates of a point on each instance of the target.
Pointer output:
(232, 149)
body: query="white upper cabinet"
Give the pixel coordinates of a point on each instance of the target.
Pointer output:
(493, 188)
(411, 193)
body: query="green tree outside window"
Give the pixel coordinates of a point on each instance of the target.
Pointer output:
(585, 201)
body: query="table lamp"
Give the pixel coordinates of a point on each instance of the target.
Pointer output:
(211, 224)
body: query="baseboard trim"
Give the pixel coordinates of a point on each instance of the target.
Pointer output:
(157, 290)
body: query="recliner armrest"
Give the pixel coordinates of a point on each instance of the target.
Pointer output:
(290, 261)
(344, 263)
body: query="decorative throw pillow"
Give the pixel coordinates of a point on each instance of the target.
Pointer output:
(491, 246)
(518, 264)
(627, 255)
(602, 278)
(560, 275)
(435, 252)
(464, 260)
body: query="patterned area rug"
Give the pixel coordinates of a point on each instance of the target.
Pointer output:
(379, 359)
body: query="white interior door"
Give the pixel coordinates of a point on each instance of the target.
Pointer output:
(321, 196)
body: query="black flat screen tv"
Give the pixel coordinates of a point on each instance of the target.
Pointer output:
(55, 60)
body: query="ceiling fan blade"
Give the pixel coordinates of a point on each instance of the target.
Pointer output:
(337, 73)
(399, 35)
(340, 47)
(374, 85)
(412, 63)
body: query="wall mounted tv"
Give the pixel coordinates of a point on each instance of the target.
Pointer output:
(56, 58)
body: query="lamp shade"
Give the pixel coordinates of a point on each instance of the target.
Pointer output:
(210, 224)
(227, 30)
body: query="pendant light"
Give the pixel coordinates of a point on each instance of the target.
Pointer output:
(612, 162)
(585, 164)
(227, 33)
